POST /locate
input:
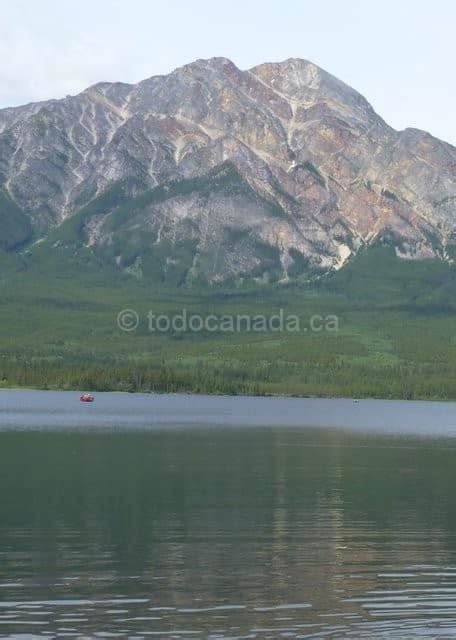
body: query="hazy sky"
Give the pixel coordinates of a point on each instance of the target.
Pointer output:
(400, 54)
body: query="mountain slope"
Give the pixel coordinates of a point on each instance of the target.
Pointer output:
(216, 174)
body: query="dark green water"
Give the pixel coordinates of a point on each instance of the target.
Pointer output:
(226, 532)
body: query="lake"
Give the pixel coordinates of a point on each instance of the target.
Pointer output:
(202, 517)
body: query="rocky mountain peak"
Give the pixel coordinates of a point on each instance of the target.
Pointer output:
(223, 174)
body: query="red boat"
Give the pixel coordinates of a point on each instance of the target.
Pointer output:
(87, 397)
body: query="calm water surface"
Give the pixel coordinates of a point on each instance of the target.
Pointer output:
(195, 517)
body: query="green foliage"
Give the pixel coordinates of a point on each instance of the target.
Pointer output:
(224, 178)
(376, 277)
(72, 230)
(15, 227)
(397, 335)
(300, 267)
(390, 195)
(137, 249)
(309, 166)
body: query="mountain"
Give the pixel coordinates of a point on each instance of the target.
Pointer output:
(214, 174)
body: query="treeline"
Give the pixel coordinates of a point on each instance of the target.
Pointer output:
(304, 379)
(124, 378)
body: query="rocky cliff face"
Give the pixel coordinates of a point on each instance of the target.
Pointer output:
(219, 174)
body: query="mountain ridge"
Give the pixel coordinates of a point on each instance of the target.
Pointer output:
(312, 173)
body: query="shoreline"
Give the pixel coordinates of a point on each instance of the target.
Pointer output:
(208, 394)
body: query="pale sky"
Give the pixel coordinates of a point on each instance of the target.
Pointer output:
(400, 54)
